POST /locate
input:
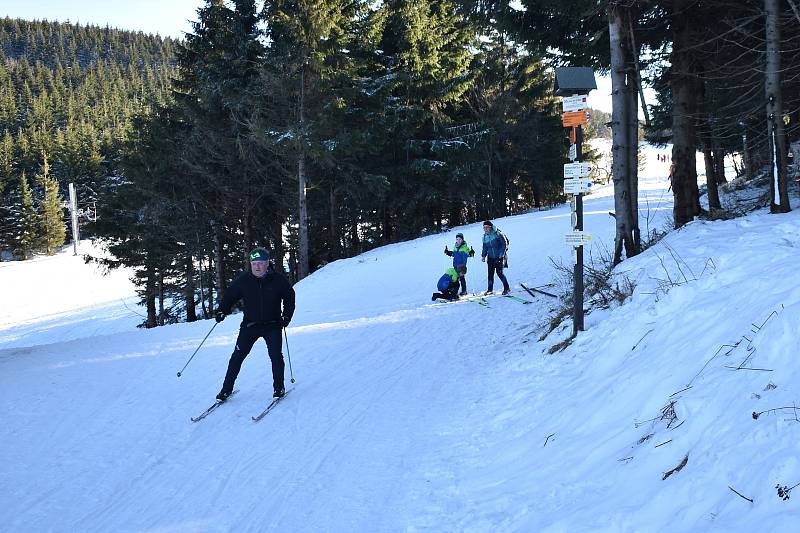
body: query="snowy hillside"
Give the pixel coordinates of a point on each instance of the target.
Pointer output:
(413, 416)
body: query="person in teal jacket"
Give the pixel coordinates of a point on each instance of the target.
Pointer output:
(493, 253)
(460, 253)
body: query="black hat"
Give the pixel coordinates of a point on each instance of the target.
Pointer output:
(460, 235)
(488, 223)
(259, 254)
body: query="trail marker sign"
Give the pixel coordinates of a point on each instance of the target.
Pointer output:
(577, 170)
(575, 103)
(577, 185)
(577, 238)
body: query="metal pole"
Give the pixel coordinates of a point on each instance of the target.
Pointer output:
(73, 207)
(288, 355)
(198, 348)
(577, 295)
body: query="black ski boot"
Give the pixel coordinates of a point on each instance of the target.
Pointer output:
(222, 396)
(279, 393)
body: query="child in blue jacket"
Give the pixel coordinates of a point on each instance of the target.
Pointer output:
(448, 283)
(460, 254)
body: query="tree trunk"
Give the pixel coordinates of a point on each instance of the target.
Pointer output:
(684, 172)
(355, 240)
(302, 205)
(206, 311)
(150, 297)
(747, 158)
(620, 131)
(188, 291)
(160, 297)
(779, 183)
(711, 178)
(247, 236)
(278, 251)
(211, 298)
(334, 227)
(218, 259)
(719, 164)
(388, 232)
(632, 97)
(705, 132)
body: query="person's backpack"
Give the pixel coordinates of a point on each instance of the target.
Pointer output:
(508, 242)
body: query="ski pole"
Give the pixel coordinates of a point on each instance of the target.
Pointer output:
(198, 348)
(288, 355)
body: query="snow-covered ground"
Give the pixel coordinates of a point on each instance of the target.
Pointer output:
(415, 416)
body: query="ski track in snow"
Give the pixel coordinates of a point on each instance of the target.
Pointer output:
(415, 416)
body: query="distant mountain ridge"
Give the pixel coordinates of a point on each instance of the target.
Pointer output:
(58, 42)
(70, 96)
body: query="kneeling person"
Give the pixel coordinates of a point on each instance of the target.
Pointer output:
(449, 283)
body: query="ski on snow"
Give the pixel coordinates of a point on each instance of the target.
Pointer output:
(482, 299)
(517, 299)
(269, 408)
(531, 290)
(211, 409)
(479, 300)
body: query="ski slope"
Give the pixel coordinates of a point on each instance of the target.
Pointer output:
(414, 416)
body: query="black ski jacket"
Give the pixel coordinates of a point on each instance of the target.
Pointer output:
(262, 298)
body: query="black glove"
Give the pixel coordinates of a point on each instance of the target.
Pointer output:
(471, 252)
(285, 321)
(219, 316)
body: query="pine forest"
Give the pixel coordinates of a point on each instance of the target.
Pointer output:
(321, 129)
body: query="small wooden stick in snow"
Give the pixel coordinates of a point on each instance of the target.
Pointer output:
(740, 494)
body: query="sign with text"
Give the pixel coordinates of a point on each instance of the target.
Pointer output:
(577, 185)
(575, 103)
(575, 118)
(577, 170)
(573, 152)
(577, 238)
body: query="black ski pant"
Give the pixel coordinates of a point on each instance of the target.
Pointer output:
(496, 265)
(463, 281)
(446, 295)
(248, 335)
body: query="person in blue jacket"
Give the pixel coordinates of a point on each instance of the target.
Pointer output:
(493, 253)
(448, 283)
(460, 253)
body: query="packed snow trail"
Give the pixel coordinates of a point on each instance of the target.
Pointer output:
(415, 416)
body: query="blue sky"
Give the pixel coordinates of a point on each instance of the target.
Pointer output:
(165, 17)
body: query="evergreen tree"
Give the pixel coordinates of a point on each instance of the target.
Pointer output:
(424, 74)
(308, 42)
(224, 159)
(51, 214)
(26, 221)
(6, 192)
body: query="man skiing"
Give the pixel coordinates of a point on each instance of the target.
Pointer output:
(460, 254)
(494, 249)
(263, 290)
(448, 283)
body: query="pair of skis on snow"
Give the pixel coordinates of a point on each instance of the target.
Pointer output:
(256, 418)
(483, 301)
